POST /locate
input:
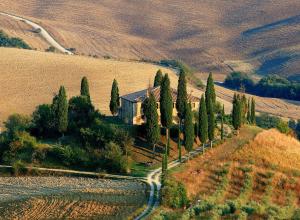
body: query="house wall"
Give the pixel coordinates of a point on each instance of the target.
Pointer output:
(135, 114)
(126, 111)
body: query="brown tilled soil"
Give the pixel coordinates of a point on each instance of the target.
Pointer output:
(69, 198)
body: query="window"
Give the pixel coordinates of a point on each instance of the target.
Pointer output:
(157, 105)
(194, 104)
(173, 104)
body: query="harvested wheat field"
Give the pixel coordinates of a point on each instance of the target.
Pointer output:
(255, 173)
(30, 78)
(280, 107)
(209, 35)
(69, 198)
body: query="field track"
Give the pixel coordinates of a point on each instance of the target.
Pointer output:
(43, 32)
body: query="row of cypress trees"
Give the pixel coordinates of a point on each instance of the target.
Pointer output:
(243, 111)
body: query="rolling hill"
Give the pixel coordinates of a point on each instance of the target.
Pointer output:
(254, 174)
(30, 78)
(216, 36)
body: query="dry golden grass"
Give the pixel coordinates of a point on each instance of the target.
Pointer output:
(197, 171)
(271, 148)
(30, 78)
(274, 106)
(210, 35)
(270, 155)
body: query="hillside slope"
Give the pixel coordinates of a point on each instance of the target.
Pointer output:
(30, 78)
(210, 35)
(254, 174)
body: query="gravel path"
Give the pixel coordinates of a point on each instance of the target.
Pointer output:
(43, 32)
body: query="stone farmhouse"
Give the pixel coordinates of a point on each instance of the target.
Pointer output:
(131, 105)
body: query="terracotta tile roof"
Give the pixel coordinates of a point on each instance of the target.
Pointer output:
(140, 96)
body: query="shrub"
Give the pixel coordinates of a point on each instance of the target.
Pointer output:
(17, 123)
(174, 194)
(237, 80)
(19, 168)
(115, 161)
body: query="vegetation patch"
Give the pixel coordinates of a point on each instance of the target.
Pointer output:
(6, 41)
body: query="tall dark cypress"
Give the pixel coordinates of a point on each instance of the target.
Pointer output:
(211, 122)
(210, 93)
(236, 112)
(61, 110)
(158, 78)
(84, 88)
(253, 118)
(151, 126)
(203, 122)
(244, 108)
(181, 102)
(189, 134)
(166, 107)
(222, 123)
(114, 98)
(249, 112)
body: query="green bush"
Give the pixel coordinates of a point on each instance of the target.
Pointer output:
(19, 168)
(6, 41)
(174, 194)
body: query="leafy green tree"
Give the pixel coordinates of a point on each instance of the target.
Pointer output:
(61, 110)
(203, 122)
(114, 98)
(210, 93)
(252, 111)
(152, 128)
(17, 123)
(81, 113)
(43, 121)
(189, 134)
(84, 88)
(166, 107)
(211, 122)
(158, 78)
(222, 123)
(181, 103)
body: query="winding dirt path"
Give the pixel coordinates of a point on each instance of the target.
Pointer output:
(42, 32)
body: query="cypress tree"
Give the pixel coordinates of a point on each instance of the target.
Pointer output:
(61, 110)
(84, 88)
(244, 109)
(203, 122)
(189, 134)
(114, 98)
(166, 107)
(236, 112)
(211, 123)
(210, 93)
(249, 112)
(151, 126)
(222, 123)
(181, 102)
(253, 111)
(158, 78)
